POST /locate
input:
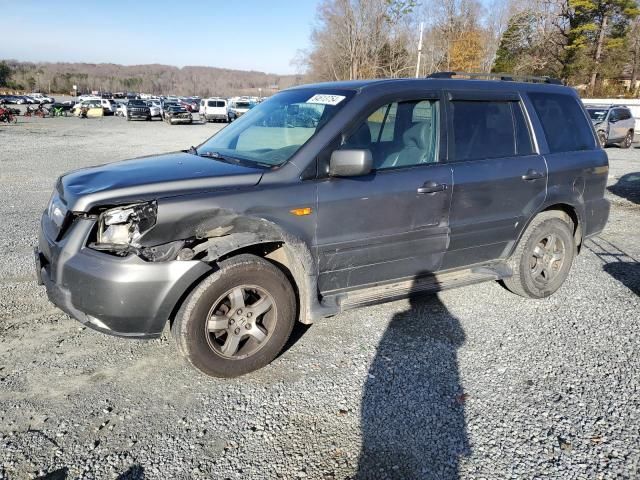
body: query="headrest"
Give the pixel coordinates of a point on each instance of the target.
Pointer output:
(417, 136)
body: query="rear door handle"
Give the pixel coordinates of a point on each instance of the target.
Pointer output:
(431, 187)
(532, 175)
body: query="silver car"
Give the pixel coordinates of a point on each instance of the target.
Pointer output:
(613, 124)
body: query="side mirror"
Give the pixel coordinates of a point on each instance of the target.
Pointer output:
(350, 163)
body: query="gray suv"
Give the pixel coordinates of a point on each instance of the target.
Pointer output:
(323, 198)
(613, 124)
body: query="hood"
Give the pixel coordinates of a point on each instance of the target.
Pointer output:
(148, 178)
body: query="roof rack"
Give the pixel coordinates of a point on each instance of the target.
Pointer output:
(505, 77)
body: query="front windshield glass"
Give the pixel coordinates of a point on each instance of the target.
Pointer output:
(597, 114)
(243, 105)
(273, 131)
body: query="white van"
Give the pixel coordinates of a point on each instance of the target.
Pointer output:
(213, 109)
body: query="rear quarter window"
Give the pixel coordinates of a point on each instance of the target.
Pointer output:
(565, 125)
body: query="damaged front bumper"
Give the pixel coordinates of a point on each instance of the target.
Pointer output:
(124, 296)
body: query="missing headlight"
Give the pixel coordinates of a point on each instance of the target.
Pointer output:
(123, 226)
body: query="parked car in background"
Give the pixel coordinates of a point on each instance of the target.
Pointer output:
(613, 124)
(404, 187)
(8, 99)
(166, 105)
(155, 107)
(138, 109)
(190, 105)
(108, 106)
(42, 98)
(121, 109)
(213, 109)
(177, 114)
(89, 105)
(30, 100)
(237, 108)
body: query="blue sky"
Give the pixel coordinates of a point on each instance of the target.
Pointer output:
(244, 34)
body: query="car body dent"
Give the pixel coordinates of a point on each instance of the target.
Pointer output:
(151, 177)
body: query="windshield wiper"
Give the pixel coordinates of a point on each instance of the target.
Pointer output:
(237, 161)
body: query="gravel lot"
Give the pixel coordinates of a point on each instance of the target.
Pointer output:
(471, 383)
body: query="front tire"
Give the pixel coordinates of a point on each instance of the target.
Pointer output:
(237, 319)
(543, 258)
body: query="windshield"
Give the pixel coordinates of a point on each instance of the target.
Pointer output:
(243, 105)
(597, 114)
(273, 131)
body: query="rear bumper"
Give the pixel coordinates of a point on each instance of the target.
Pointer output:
(215, 116)
(123, 296)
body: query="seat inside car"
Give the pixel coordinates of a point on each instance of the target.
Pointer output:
(418, 144)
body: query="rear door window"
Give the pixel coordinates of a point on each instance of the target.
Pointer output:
(483, 129)
(565, 125)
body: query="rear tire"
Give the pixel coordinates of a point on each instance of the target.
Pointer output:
(237, 319)
(543, 257)
(628, 140)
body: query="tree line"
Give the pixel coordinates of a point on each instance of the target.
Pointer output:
(155, 79)
(590, 44)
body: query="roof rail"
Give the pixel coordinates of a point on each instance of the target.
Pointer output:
(505, 77)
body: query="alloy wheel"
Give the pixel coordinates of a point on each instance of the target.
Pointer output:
(240, 321)
(547, 259)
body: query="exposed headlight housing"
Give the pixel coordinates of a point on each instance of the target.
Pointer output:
(57, 210)
(123, 226)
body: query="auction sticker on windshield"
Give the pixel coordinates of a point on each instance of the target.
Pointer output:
(324, 99)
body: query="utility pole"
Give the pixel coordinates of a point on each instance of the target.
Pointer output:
(419, 50)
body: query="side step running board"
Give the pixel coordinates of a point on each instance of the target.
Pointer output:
(407, 288)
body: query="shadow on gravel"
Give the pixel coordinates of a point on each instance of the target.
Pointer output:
(134, 472)
(413, 423)
(617, 263)
(627, 186)
(59, 474)
(299, 330)
(626, 273)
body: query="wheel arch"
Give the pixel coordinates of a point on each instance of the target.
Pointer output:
(267, 240)
(564, 208)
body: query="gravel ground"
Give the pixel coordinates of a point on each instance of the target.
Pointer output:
(471, 383)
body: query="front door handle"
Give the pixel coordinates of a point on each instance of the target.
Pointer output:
(431, 187)
(532, 175)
